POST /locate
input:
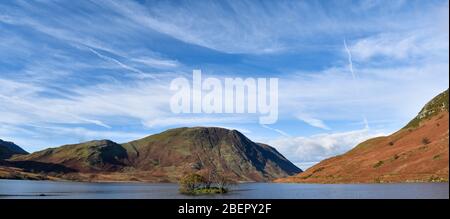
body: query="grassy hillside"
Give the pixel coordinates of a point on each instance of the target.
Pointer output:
(417, 153)
(89, 156)
(432, 108)
(167, 156)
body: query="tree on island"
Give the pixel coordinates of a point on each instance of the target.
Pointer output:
(191, 182)
(206, 182)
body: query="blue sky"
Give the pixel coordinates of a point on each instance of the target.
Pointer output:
(72, 71)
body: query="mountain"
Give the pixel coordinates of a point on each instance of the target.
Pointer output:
(92, 156)
(416, 153)
(10, 169)
(8, 149)
(169, 155)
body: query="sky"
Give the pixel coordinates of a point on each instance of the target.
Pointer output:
(74, 71)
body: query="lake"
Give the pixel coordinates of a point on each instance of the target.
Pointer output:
(79, 190)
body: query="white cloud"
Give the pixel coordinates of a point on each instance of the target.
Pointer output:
(199, 24)
(77, 32)
(157, 62)
(315, 148)
(144, 101)
(383, 93)
(402, 45)
(88, 104)
(380, 93)
(312, 121)
(242, 27)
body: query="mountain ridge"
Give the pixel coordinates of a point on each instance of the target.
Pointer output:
(8, 149)
(167, 156)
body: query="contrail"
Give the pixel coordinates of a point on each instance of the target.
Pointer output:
(366, 123)
(127, 67)
(276, 130)
(350, 66)
(350, 61)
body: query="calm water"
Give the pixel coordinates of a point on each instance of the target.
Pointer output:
(76, 190)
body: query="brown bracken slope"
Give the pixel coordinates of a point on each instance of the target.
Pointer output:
(416, 153)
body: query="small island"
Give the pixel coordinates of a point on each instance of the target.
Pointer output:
(210, 182)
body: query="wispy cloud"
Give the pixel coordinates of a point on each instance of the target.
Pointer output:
(401, 46)
(156, 62)
(88, 69)
(312, 121)
(251, 28)
(318, 147)
(43, 112)
(279, 131)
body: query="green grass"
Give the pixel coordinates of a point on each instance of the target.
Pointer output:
(432, 108)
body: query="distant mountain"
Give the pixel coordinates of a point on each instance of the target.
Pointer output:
(169, 155)
(8, 149)
(90, 156)
(417, 152)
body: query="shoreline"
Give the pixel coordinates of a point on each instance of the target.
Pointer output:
(238, 183)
